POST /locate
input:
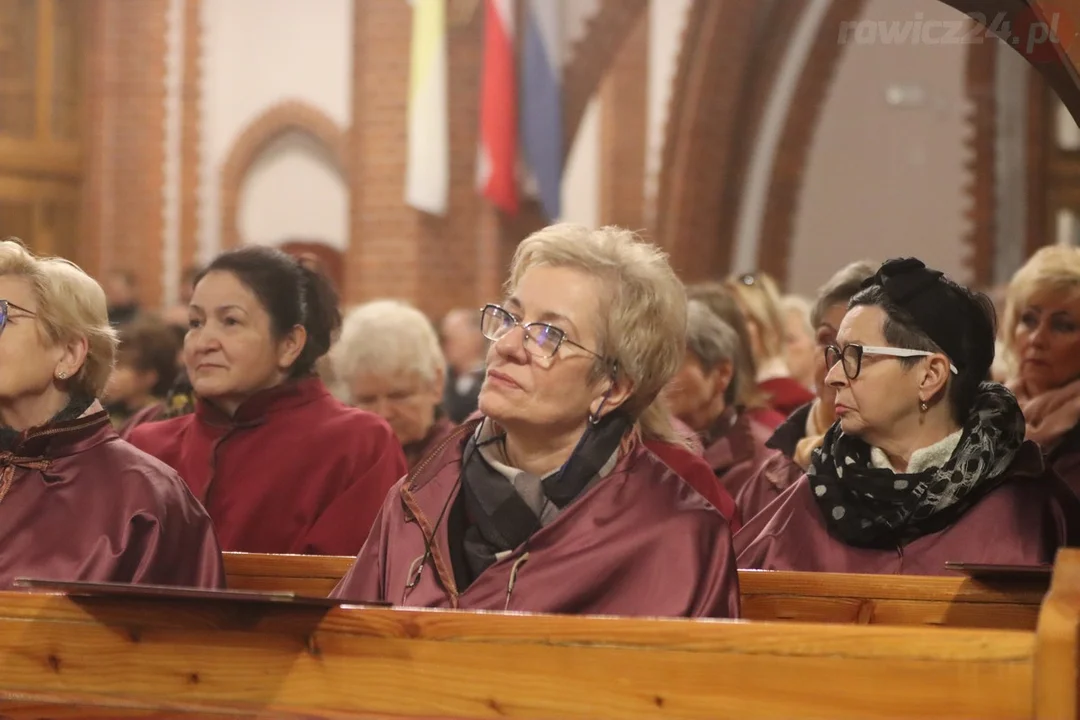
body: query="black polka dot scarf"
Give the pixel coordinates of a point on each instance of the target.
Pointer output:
(871, 507)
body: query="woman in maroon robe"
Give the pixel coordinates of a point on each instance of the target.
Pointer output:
(550, 501)
(927, 463)
(281, 465)
(76, 501)
(389, 362)
(1041, 341)
(702, 395)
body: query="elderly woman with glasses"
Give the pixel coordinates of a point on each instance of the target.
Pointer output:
(389, 362)
(550, 501)
(76, 501)
(927, 462)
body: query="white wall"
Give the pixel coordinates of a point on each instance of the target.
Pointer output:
(270, 209)
(581, 176)
(258, 53)
(667, 23)
(885, 180)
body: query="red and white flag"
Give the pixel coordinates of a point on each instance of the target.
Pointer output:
(497, 165)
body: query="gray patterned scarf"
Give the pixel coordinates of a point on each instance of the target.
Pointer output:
(870, 507)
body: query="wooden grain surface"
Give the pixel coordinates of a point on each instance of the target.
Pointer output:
(272, 660)
(789, 596)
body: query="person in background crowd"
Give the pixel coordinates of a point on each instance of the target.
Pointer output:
(927, 463)
(76, 501)
(145, 369)
(795, 440)
(463, 347)
(549, 502)
(759, 301)
(281, 466)
(800, 350)
(122, 297)
(702, 394)
(389, 360)
(748, 397)
(178, 314)
(1041, 336)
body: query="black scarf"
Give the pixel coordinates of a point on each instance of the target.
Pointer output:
(497, 519)
(870, 507)
(77, 405)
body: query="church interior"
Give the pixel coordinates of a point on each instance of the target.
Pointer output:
(540, 358)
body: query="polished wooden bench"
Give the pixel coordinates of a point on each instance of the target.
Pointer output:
(63, 656)
(807, 597)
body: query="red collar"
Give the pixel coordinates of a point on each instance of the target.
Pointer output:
(254, 410)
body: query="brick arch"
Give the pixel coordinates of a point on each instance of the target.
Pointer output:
(710, 124)
(290, 116)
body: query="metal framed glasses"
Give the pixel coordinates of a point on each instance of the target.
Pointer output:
(6, 306)
(541, 340)
(851, 357)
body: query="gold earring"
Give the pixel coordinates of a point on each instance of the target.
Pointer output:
(923, 407)
(61, 375)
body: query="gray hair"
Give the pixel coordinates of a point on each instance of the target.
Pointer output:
(712, 341)
(385, 337)
(840, 288)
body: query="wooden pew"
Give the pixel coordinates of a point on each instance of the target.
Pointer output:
(806, 597)
(108, 657)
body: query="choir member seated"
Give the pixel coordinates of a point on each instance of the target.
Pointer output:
(76, 501)
(550, 501)
(145, 369)
(748, 395)
(702, 395)
(795, 440)
(1042, 346)
(759, 301)
(281, 465)
(927, 463)
(389, 361)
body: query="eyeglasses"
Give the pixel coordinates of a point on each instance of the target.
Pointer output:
(852, 355)
(541, 340)
(6, 306)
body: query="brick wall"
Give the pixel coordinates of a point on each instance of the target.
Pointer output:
(125, 148)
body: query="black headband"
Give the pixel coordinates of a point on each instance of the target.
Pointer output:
(940, 309)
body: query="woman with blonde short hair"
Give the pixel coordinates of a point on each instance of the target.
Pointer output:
(1041, 338)
(760, 302)
(389, 362)
(550, 501)
(76, 501)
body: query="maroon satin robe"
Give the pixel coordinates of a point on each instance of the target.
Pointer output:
(294, 471)
(736, 454)
(786, 395)
(697, 473)
(1021, 522)
(85, 505)
(640, 541)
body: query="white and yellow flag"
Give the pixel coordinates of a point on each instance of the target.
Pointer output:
(427, 174)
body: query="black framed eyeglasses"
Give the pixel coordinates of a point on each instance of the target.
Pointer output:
(541, 340)
(851, 356)
(6, 306)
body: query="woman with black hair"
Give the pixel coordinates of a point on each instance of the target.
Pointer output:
(281, 466)
(926, 463)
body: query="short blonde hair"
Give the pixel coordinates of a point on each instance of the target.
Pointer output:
(1052, 269)
(386, 337)
(71, 305)
(757, 293)
(642, 322)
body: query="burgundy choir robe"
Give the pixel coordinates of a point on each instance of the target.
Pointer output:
(640, 541)
(1021, 522)
(735, 458)
(84, 505)
(786, 394)
(294, 471)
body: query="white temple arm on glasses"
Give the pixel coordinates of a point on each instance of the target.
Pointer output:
(902, 352)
